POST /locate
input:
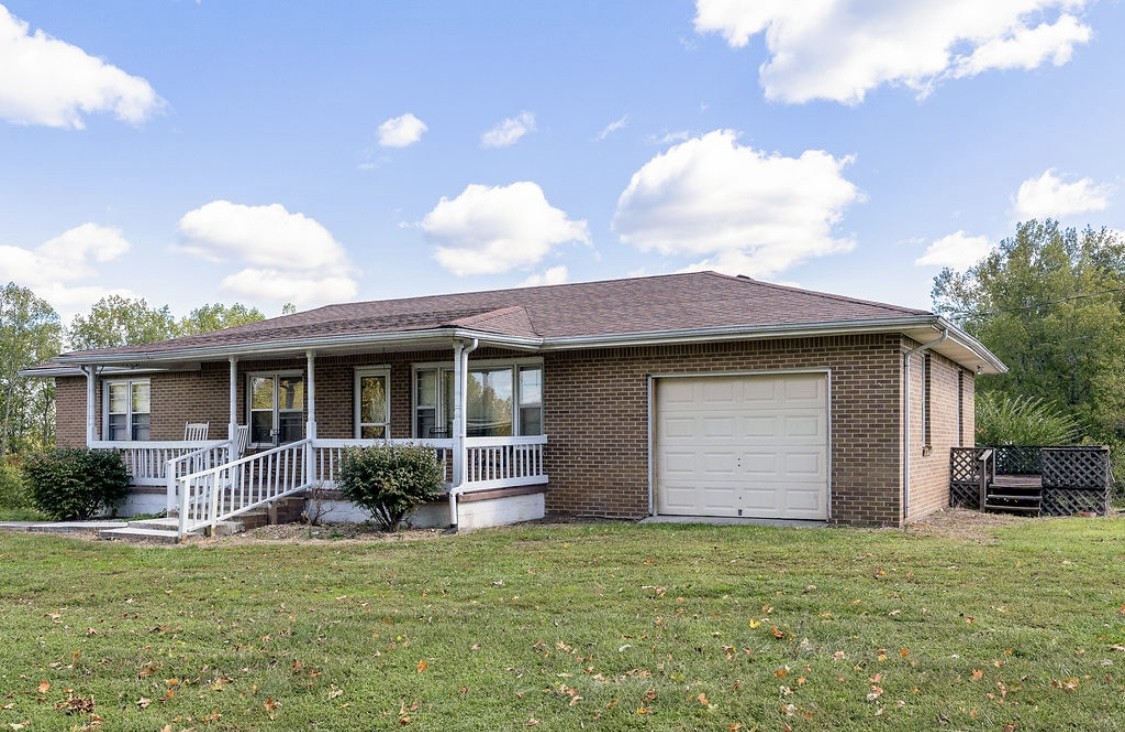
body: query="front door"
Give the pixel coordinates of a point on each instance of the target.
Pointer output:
(277, 408)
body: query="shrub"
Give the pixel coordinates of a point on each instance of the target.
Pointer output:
(390, 481)
(13, 491)
(74, 484)
(1007, 420)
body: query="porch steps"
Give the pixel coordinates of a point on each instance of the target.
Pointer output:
(1015, 494)
(166, 530)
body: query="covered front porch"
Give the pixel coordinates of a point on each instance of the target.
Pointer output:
(483, 420)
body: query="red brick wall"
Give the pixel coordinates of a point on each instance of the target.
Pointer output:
(70, 411)
(596, 417)
(929, 464)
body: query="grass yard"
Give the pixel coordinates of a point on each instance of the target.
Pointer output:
(570, 626)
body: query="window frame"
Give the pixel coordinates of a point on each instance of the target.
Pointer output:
(927, 391)
(444, 367)
(249, 394)
(107, 386)
(357, 423)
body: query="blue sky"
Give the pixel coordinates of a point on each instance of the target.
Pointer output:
(271, 152)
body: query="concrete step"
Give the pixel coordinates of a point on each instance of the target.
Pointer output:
(160, 536)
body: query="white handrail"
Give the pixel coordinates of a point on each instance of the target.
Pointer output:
(212, 455)
(210, 496)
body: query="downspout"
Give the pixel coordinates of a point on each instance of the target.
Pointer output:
(460, 453)
(906, 416)
(91, 403)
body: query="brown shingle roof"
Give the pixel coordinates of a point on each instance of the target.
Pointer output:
(679, 302)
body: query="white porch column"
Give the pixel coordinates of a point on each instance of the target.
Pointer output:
(310, 425)
(91, 405)
(310, 386)
(232, 426)
(459, 452)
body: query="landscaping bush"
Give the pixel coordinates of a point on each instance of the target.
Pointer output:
(390, 481)
(73, 484)
(13, 492)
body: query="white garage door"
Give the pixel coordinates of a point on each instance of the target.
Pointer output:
(751, 446)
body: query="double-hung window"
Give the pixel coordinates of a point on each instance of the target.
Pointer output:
(502, 399)
(128, 407)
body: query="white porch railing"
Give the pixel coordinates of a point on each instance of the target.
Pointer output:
(222, 492)
(206, 487)
(503, 462)
(330, 453)
(147, 461)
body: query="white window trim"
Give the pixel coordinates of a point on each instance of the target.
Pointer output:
(360, 372)
(106, 384)
(249, 392)
(515, 364)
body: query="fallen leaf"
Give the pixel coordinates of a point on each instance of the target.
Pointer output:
(702, 699)
(776, 632)
(270, 705)
(422, 665)
(904, 652)
(978, 674)
(44, 686)
(143, 702)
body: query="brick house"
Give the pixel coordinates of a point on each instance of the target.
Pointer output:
(688, 395)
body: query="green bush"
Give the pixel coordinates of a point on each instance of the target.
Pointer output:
(74, 484)
(1007, 420)
(13, 491)
(390, 481)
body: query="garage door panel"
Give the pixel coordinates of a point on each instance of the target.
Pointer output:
(719, 428)
(809, 426)
(751, 444)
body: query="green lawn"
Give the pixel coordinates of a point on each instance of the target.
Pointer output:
(602, 626)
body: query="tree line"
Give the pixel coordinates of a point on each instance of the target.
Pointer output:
(31, 333)
(1050, 302)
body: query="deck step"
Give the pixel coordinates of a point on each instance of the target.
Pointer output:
(1014, 497)
(1012, 507)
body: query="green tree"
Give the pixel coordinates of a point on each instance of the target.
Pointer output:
(29, 334)
(1050, 302)
(120, 321)
(217, 316)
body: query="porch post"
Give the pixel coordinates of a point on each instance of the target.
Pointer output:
(232, 426)
(459, 384)
(91, 405)
(310, 426)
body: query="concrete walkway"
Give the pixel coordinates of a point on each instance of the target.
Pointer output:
(60, 527)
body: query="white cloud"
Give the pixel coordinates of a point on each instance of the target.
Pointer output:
(509, 131)
(842, 49)
(487, 230)
(744, 211)
(1048, 196)
(957, 250)
(614, 126)
(60, 269)
(401, 131)
(45, 81)
(291, 257)
(553, 276)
